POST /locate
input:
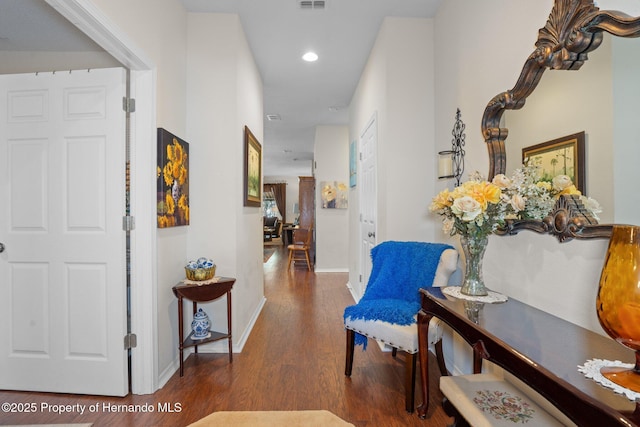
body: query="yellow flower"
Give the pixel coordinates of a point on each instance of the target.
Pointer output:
(182, 202)
(483, 192)
(570, 190)
(545, 185)
(441, 201)
(182, 178)
(170, 204)
(162, 221)
(166, 172)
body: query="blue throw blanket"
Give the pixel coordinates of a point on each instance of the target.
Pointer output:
(400, 270)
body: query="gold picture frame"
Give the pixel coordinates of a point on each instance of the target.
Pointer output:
(561, 156)
(252, 170)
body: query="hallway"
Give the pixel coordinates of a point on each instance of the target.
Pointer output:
(293, 360)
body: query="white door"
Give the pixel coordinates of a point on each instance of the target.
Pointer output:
(368, 212)
(62, 198)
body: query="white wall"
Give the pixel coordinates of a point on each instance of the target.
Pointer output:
(398, 86)
(221, 228)
(224, 93)
(480, 54)
(331, 155)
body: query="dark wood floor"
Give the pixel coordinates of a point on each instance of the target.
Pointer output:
(293, 360)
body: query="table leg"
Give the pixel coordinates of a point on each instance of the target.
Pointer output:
(195, 310)
(229, 326)
(180, 335)
(423, 351)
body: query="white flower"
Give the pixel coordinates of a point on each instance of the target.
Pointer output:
(501, 181)
(592, 205)
(466, 208)
(518, 203)
(447, 225)
(560, 182)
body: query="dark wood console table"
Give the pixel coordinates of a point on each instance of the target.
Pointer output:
(203, 293)
(542, 350)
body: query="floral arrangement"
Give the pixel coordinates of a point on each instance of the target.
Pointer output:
(478, 207)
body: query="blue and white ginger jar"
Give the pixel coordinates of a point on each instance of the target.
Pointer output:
(200, 324)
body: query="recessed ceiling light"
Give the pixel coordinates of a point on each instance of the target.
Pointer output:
(310, 57)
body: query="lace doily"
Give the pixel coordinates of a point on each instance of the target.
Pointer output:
(591, 369)
(201, 282)
(493, 297)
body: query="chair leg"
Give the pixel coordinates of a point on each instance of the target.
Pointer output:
(290, 257)
(410, 381)
(394, 352)
(306, 254)
(351, 340)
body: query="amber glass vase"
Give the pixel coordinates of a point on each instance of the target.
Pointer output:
(618, 301)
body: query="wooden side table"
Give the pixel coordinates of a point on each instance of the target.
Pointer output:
(204, 292)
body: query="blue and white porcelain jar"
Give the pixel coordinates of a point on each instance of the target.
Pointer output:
(200, 325)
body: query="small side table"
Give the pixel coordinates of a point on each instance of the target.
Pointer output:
(205, 292)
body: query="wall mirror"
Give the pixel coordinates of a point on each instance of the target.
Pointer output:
(580, 77)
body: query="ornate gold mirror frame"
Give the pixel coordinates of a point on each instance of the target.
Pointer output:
(574, 28)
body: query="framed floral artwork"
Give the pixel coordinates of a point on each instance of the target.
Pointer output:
(252, 169)
(334, 195)
(172, 180)
(561, 156)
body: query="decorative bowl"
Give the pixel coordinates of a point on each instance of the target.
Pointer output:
(202, 269)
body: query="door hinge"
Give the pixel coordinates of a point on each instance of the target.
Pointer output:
(128, 223)
(128, 104)
(130, 341)
(360, 278)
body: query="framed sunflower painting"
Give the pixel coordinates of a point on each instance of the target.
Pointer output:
(172, 180)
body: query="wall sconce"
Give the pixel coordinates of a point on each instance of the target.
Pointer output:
(451, 162)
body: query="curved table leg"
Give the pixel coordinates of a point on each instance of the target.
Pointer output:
(423, 346)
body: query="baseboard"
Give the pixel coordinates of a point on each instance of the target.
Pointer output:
(331, 270)
(221, 346)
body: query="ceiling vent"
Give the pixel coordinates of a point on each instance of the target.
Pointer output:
(273, 117)
(312, 4)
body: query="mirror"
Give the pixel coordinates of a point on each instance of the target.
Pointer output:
(573, 32)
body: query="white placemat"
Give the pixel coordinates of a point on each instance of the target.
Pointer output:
(493, 297)
(201, 282)
(591, 369)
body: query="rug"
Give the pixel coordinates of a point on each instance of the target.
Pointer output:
(267, 254)
(272, 419)
(52, 425)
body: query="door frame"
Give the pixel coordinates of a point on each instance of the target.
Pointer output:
(372, 122)
(97, 26)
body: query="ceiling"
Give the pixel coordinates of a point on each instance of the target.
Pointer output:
(301, 95)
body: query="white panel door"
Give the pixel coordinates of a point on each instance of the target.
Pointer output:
(368, 211)
(62, 198)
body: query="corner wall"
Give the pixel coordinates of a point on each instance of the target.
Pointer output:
(397, 85)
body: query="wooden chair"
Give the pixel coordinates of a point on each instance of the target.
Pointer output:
(299, 249)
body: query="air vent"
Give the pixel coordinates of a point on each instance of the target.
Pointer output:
(312, 4)
(273, 117)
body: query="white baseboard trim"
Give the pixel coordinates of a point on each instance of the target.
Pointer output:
(331, 270)
(221, 346)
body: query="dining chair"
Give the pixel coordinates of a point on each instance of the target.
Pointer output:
(299, 249)
(387, 312)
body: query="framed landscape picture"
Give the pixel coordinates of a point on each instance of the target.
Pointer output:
(561, 156)
(252, 169)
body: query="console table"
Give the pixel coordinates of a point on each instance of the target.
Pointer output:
(542, 350)
(203, 292)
